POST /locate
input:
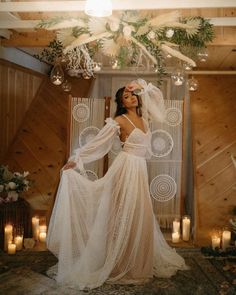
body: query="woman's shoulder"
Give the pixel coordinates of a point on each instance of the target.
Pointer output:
(119, 119)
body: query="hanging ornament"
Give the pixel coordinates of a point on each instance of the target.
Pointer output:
(66, 86)
(202, 55)
(57, 74)
(97, 67)
(178, 77)
(192, 84)
(187, 66)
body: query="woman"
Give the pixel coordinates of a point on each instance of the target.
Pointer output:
(106, 231)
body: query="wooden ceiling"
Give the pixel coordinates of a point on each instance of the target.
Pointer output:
(18, 19)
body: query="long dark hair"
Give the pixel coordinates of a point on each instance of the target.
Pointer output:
(120, 109)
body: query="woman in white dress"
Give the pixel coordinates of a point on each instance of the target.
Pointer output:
(105, 230)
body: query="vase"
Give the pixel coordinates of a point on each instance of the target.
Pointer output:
(7, 197)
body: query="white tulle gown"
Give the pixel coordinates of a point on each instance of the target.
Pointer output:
(105, 230)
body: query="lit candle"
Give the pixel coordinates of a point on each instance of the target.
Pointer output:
(175, 237)
(42, 229)
(35, 227)
(42, 237)
(176, 226)
(7, 235)
(57, 81)
(226, 238)
(215, 242)
(186, 228)
(19, 242)
(11, 248)
(178, 82)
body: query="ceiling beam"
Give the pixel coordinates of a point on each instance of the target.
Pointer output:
(31, 24)
(57, 6)
(39, 38)
(5, 34)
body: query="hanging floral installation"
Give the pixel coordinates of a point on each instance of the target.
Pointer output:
(128, 38)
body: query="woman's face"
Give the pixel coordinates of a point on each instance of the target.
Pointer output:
(129, 100)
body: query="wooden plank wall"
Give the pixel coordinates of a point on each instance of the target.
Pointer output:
(40, 144)
(18, 87)
(213, 109)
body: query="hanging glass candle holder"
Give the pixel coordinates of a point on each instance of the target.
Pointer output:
(66, 86)
(97, 67)
(57, 74)
(187, 66)
(202, 55)
(192, 84)
(177, 77)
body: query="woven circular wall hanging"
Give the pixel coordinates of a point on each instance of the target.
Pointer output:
(87, 134)
(81, 112)
(163, 188)
(173, 117)
(162, 143)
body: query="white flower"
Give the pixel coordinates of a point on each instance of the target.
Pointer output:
(114, 26)
(170, 33)
(127, 30)
(12, 196)
(26, 173)
(12, 185)
(1, 188)
(151, 35)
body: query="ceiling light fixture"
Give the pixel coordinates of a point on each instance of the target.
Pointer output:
(99, 8)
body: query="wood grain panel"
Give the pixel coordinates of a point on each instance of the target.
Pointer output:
(17, 89)
(214, 139)
(40, 143)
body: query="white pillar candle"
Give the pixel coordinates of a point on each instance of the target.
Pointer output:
(226, 238)
(175, 237)
(215, 242)
(35, 227)
(11, 248)
(42, 237)
(18, 240)
(7, 236)
(186, 228)
(42, 229)
(176, 226)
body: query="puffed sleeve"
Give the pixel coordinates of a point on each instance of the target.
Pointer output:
(98, 147)
(153, 102)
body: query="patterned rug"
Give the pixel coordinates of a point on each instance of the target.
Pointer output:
(25, 273)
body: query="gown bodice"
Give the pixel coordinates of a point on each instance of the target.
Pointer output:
(138, 143)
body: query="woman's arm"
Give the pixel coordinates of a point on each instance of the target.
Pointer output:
(96, 148)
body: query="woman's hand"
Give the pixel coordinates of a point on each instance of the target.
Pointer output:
(132, 86)
(69, 165)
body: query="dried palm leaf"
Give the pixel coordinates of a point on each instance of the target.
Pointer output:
(109, 47)
(97, 25)
(84, 39)
(68, 24)
(177, 54)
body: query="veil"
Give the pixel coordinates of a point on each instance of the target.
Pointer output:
(152, 99)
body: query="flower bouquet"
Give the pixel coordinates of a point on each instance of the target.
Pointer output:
(11, 184)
